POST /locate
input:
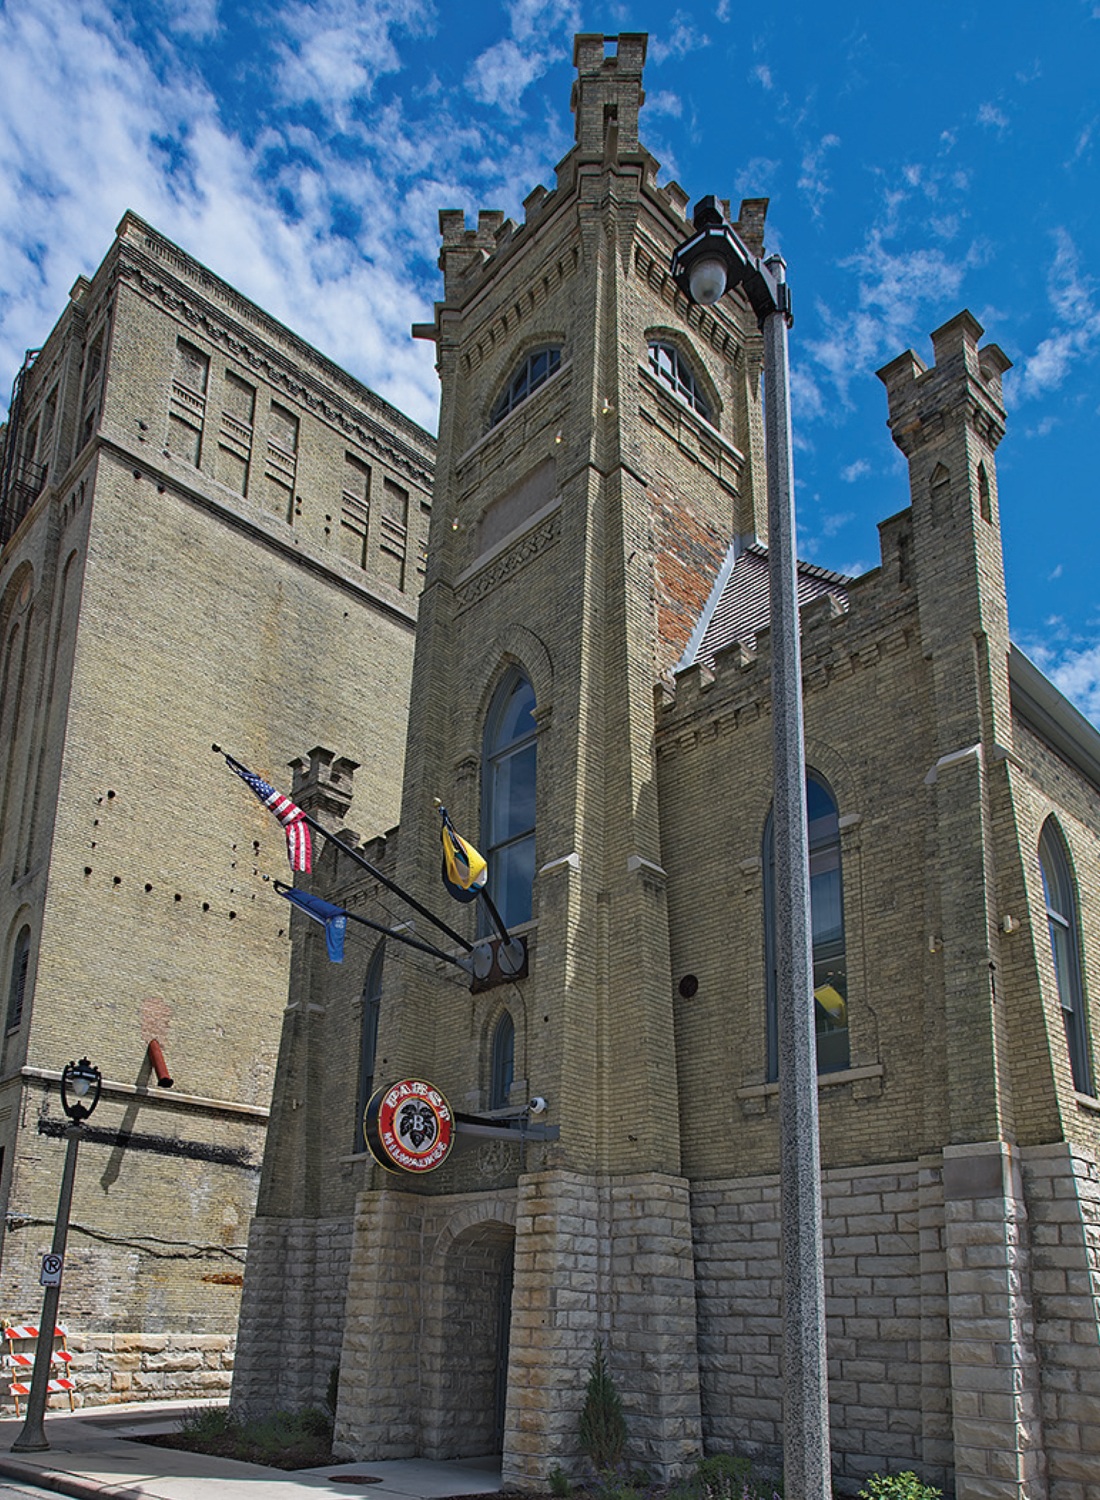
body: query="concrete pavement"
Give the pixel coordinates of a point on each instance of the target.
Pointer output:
(93, 1456)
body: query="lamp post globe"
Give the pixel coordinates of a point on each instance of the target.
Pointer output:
(81, 1083)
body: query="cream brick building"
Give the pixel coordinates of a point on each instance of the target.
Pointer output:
(591, 701)
(209, 533)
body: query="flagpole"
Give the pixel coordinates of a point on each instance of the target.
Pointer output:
(498, 920)
(391, 885)
(401, 937)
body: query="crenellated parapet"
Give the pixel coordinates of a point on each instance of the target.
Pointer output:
(963, 384)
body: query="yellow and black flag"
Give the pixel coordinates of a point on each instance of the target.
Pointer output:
(464, 870)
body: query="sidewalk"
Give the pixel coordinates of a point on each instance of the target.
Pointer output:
(91, 1458)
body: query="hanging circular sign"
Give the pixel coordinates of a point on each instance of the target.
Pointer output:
(409, 1127)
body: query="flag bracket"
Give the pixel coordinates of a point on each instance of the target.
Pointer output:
(498, 962)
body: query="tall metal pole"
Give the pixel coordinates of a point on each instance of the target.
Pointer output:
(806, 1461)
(32, 1438)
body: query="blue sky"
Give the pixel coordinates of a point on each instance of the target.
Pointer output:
(919, 159)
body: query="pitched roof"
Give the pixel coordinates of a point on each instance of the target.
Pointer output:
(738, 607)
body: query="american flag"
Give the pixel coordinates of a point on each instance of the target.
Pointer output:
(299, 848)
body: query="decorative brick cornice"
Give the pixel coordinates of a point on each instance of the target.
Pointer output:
(529, 546)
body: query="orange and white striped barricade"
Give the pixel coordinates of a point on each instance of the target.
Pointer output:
(21, 1362)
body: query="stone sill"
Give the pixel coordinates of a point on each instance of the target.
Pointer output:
(1088, 1103)
(824, 1080)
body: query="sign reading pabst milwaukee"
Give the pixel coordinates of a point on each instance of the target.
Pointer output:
(409, 1127)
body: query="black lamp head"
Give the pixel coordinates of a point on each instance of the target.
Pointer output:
(81, 1083)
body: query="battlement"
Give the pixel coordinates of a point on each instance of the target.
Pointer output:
(963, 377)
(608, 93)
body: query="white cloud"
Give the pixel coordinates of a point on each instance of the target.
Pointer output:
(989, 114)
(1072, 296)
(763, 75)
(684, 37)
(664, 103)
(858, 470)
(892, 290)
(193, 18)
(1075, 671)
(334, 51)
(814, 180)
(503, 72)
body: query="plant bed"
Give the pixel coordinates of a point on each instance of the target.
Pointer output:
(284, 1440)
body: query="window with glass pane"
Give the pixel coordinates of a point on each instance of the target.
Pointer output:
(504, 1062)
(535, 371)
(1061, 905)
(508, 799)
(17, 989)
(830, 968)
(368, 1040)
(673, 370)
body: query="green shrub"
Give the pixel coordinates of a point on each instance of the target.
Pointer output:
(603, 1423)
(898, 1487)
(560, 1486)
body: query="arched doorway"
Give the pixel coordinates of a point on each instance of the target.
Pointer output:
(475, 1314)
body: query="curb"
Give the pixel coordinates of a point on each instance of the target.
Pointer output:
(65, 1484)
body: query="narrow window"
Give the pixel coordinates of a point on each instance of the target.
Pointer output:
(90, 398)
(17, 990)
(508, 798)
(235, 435)
(535, 371)
(985, 500)
(281, 469)
(368, 1040)
(673, 370)
(355, 510)
(187, 409)
(830, 970)
(503, 1062)
(393, 534)
(1061, 905)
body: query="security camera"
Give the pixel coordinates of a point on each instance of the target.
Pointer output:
(537, 1105)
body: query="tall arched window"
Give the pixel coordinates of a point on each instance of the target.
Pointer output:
(368, 1040)
(17, 988)
(830, 968)
(503, 1068)
(508, 798)
(1061, 904)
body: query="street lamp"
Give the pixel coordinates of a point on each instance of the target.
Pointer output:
(81, 1084)
(715, 260)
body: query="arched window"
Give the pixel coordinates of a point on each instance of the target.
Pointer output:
(673, 370)
(830, 969)
(1061, 904)
(368, 1040)
(503, 1069)
(508, 798)
(17, 989)
(535, 370)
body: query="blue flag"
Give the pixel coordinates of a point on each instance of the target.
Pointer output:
(334, 919)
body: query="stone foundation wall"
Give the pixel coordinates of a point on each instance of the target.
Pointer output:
(885, 1295)
(116, 1367)
(292, 1313)
(1062, 1187)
